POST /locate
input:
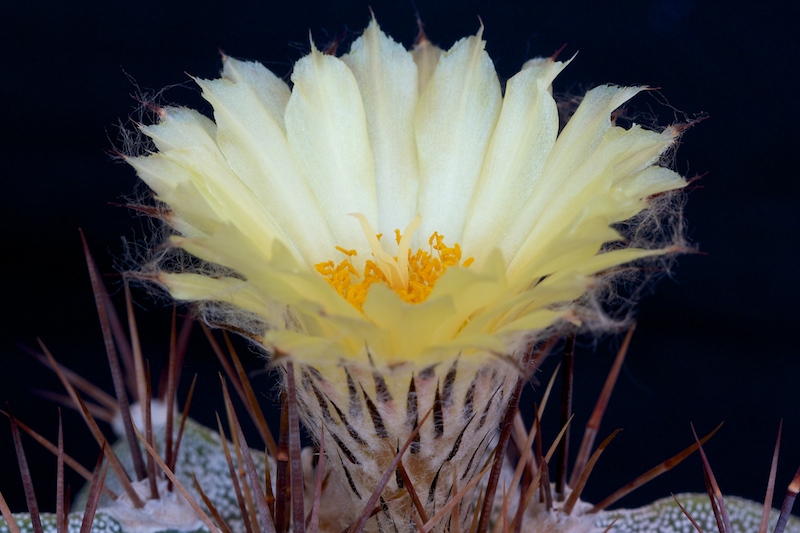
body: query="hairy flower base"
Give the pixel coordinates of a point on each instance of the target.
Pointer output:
(367, 414)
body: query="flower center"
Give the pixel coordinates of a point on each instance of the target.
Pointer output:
(412, 277)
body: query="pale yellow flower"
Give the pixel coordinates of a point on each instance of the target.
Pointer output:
(265, 190)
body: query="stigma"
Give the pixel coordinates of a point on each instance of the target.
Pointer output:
(412, 277)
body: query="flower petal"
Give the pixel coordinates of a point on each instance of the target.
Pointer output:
(387, 78)
(256, 149)
(479, 345)
(579, 139)
(650, 181)
(187, 139)
(426, 56)
(327, 132)
(525, 134)
(272, 270)
(272, 92)
(299, 346)
(454, 120)
(578, 241)
(175, 186)
(409, 326)
(180, 128)
(470, 290)
(620, 154)
(197, 287)
(537, 320)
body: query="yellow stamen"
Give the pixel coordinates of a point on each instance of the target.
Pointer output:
(348, 253)
(412, 277)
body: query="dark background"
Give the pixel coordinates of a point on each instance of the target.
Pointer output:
(715, 342)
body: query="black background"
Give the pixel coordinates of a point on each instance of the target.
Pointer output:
(716, 341)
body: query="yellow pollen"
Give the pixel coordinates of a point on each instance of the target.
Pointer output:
(412, 279)
(348, 253)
